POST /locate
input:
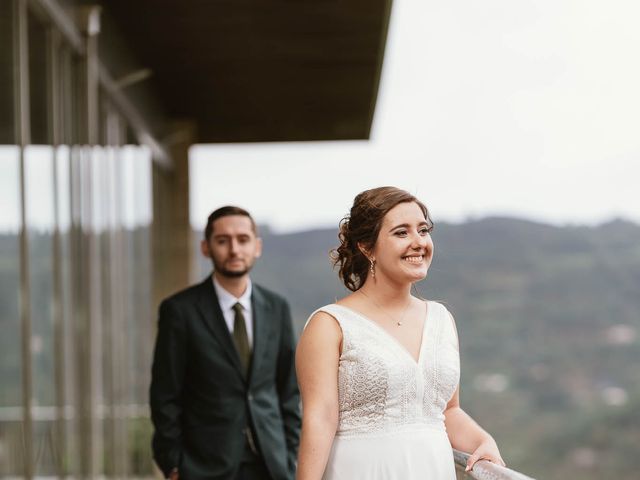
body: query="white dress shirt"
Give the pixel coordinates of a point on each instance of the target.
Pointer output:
(227, 301)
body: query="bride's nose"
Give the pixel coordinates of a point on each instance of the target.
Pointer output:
(419, 242)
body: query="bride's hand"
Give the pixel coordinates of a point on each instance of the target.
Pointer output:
(487, 450)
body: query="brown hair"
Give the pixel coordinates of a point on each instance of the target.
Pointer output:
(362, 226)
(223, 212)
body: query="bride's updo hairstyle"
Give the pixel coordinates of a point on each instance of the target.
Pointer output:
(362, 226)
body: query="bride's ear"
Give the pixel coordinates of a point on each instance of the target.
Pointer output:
(364, 251)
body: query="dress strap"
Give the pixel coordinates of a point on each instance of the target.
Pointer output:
(446, 325)
(332, 309)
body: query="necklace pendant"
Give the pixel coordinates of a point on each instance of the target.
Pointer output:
(399, 324)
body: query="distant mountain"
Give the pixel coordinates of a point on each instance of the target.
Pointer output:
(549, 323)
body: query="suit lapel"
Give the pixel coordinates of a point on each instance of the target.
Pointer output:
(263, 321)
(213, 318)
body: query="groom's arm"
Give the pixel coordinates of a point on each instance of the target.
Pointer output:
(289, 395)
(165, 393)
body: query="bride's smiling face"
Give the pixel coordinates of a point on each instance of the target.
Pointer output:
(403, 249)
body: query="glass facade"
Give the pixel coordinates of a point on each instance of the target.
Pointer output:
(11, 455)
(75, 263)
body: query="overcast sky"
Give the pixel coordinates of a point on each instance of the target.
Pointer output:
(527, 108)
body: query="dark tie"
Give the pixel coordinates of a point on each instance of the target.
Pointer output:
(240, 337)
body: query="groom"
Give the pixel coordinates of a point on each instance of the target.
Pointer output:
(224, 397)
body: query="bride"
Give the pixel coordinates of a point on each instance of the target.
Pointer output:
(379, 370)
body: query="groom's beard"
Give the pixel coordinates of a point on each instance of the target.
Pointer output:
(231, 273)
(228, 273)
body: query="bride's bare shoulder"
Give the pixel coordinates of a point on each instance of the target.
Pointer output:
(322, 321)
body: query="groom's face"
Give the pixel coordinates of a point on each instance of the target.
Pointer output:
(233, 246)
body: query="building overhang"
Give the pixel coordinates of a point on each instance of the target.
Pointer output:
(255, 70)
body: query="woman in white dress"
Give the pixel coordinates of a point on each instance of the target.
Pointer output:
(379, 369)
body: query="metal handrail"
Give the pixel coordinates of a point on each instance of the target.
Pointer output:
(484, 470)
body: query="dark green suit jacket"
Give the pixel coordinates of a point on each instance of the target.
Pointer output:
(200, 399)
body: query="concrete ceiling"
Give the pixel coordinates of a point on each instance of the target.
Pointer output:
(261, 70)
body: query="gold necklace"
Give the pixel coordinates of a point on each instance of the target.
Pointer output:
(397, 322)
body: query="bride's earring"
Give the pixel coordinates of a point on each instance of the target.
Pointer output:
(372, 268)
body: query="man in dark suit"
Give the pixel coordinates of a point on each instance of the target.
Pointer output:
(224, 397)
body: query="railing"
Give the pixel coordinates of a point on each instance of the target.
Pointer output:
(11, 444)
(484, 470)
(133, 461)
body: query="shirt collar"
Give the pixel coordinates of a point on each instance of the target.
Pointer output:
(227, 300)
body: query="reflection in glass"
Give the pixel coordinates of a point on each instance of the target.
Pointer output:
(136, 175)
(7, 124)
(136, 172)
(39, 199)
(137, 213)
(88, 217)
(88, 278)
(63, 188)
(10, 353)
(38, 88)
(9, 189)
(68, 449)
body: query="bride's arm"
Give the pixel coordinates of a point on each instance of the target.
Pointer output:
(465, 434)
(317, 358)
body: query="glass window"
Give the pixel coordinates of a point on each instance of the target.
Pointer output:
(38, 87)
(137, 214)
(7, 120)
(10, 345)
(39, 200)
(88, 217)
(135, 171)
(69, 449)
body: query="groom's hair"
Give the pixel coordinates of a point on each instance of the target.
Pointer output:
(224, 212)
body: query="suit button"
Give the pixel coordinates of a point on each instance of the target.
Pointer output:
(250, 397)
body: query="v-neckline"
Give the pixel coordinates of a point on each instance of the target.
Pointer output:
(393, 339)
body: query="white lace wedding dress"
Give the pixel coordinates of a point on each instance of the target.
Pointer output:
(391, 423)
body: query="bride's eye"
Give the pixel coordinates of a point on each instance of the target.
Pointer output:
(401, 233)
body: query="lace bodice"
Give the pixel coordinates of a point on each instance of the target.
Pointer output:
(381, 387)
